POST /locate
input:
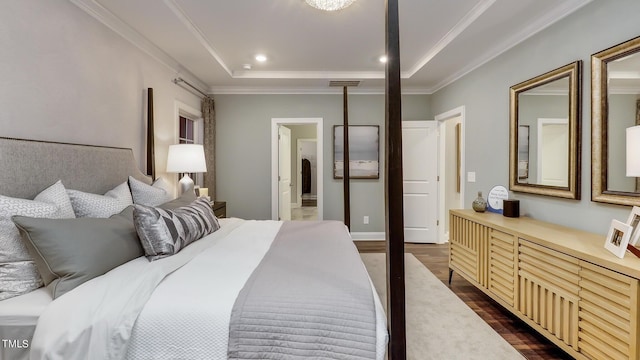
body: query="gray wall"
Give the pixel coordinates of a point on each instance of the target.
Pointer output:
(485, 93)
(244, 150)
(68, 78)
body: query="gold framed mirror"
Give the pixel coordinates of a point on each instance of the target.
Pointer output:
(544, 133)
(615, 106)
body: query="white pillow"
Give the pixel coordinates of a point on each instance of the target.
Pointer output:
(101, 206)
(18, 272)
(150, 195)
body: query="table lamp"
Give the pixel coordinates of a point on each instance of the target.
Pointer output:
(633, 151)
(186, 158)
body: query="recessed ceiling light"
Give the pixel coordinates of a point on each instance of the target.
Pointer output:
(261, 58)
(246, 66)
(383, 59)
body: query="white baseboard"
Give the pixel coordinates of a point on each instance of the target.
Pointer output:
(381, 236)
(376, 236)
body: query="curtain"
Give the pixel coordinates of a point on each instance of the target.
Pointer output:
(209, 119)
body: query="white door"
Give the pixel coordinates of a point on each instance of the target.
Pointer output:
(284, 173)
(553, 152)
(420, 180)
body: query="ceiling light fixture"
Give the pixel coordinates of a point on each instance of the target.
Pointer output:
(261, 58)
(330, 5)
(383, 59)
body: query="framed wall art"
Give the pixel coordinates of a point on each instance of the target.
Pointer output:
(618, 238)
(364, 151)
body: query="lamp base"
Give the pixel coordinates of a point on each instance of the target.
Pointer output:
(186, 184)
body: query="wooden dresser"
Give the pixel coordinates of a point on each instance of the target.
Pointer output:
(560, 281)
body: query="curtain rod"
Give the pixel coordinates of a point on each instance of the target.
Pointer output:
(179, 80)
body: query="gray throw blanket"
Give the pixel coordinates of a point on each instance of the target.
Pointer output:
(310, 297)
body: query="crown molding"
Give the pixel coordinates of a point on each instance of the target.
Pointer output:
(236, 90)
(464, 23)
(552, 17)
(197, 33)
(110, 20)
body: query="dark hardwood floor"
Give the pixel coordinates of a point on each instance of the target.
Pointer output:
(522, 337)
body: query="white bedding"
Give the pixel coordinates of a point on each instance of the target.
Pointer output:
(192, 307)
(186, 315)
(24, 310)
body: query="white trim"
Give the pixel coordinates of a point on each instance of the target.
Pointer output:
(275, 123)
(242, 90)
(441, 118)
(373, 236)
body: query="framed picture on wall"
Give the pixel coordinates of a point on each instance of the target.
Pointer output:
(364, 154)
(618, 238)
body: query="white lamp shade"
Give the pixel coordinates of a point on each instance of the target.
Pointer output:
(186, 158)
(633, 151)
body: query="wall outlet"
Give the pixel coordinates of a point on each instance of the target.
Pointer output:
(365, 220)
(471, 176)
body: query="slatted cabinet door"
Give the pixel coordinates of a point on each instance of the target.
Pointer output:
(467, 249)
(608, 327)
(502, 266)
(549, 291)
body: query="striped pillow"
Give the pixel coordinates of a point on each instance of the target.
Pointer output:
(164, 232)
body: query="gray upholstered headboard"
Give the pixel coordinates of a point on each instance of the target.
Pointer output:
(29, 166)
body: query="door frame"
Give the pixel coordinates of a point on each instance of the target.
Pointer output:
(275, 123)
(443, 237)
(299, 173)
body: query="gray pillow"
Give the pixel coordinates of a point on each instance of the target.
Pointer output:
(69, 252)
(101, 206)
(18, 272)
(164, 232)
(150, 195)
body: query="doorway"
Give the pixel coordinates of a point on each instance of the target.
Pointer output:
(301, 128)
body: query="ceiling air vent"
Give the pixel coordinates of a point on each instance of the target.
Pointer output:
(343, 83)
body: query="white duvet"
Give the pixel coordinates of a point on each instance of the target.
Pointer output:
(148, 310)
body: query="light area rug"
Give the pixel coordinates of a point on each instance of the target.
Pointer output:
(439, 325)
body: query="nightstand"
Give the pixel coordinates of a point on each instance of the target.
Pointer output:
(219, 208)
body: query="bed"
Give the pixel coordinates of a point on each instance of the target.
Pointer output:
(251, 289)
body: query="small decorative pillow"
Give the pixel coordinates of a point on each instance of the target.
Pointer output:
(18, 272)
(101, 206)
(149, 195)
(164, 232)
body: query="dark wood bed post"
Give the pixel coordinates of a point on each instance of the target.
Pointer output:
(151, 158)
(393, 189)
(345, 163)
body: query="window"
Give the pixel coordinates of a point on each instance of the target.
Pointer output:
(189, 130)
(186, 131)
(187, 137)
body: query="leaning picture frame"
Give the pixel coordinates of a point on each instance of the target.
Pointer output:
(618, 238)
(634, 222)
